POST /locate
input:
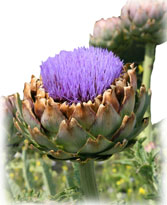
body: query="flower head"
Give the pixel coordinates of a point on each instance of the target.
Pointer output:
(104, 110)
(80, 75)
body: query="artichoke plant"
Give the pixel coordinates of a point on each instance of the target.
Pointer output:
(13, 138)
(146, 21)
(85, 106)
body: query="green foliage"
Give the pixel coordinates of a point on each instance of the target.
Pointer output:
(69, 193)
(133, 175)
(130, 176)
(34, 178)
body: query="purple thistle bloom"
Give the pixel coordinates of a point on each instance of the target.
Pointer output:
(80, 75)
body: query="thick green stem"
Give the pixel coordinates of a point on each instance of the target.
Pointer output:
(88, 180)
(148, 64)
(148, 67)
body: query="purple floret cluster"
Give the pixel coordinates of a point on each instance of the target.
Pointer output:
(80, 75)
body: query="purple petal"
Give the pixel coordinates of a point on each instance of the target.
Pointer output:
(80, 75)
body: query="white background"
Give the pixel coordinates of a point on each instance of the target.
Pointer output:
(33, 30)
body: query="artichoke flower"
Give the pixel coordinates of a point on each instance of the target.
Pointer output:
(146, 20)
(84, 106)
(13, 139)
(110, 34)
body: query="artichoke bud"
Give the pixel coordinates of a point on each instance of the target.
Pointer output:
(94, 128)
(145, 21)
(109, 34)
(81, 130)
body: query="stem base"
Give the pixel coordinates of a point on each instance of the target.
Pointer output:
(88, 180)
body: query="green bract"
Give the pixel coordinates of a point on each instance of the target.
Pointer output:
(88, 130)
